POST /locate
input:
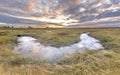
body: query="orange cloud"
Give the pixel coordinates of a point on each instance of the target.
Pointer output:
(31, 5)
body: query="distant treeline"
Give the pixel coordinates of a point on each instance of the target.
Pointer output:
(6, 26)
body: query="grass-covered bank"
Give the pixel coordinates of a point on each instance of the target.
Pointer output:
(105, 62)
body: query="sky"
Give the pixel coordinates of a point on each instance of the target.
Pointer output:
(62, 13)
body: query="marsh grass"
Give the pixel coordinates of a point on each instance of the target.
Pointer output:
(103, 62)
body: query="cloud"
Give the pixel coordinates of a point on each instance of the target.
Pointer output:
(82, 10)
(31, 5)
